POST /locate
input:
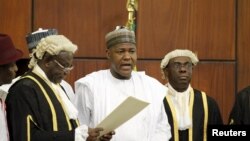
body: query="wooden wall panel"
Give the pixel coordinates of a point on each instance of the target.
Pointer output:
(206, 27)
(243, 43)
(83, 67)
(85, 22)
(15, 20)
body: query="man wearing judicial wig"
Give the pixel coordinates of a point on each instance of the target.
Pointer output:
(189, 110)
(99, 93)
(33, 39)
(39, 102)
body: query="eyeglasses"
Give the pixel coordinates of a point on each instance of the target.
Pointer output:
(178, 65)
(65, 69)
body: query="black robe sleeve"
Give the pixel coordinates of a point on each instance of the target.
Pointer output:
(240, 113)
(214, 112)
(25, 120)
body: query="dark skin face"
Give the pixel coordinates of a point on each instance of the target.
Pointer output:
(7, 73)
(53, 70)
(122, 58)
(179, 73)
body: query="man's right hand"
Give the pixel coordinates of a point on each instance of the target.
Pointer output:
(93, 133)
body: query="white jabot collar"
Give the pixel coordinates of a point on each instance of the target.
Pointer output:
(181, 103)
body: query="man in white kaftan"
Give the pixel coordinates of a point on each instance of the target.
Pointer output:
(99, 93)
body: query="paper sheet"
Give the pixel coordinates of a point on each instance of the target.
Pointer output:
(125, 111)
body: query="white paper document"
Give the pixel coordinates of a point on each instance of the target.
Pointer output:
(125, 111)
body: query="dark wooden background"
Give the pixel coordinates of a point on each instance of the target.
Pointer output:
(217, 30)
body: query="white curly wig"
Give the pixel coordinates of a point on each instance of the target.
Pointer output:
(178, 53)
(53, 45)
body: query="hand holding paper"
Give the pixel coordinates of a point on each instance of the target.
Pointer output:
(125, 111)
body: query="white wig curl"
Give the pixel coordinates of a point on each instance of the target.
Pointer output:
(178, 53)
(53, 45)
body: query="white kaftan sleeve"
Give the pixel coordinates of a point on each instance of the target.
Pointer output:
(84, 103)
(81, 133)
(162, 132)
(69, 90)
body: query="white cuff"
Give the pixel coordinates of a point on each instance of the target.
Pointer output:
(81, 133)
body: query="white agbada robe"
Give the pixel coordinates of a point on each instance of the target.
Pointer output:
(68, 89)
(99, 93)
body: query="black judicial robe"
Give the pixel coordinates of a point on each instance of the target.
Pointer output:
(34, 113)
(240, 114)
(213, 112)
